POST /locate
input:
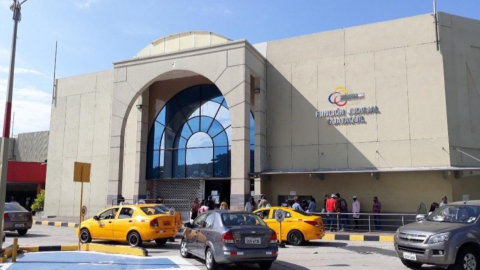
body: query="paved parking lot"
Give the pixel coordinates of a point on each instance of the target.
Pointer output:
(316, 255)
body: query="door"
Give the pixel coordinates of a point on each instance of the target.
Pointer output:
(123, 223)
(422, 212)
(205, 233)
(103, 227)
(191, 233)
(287, 224)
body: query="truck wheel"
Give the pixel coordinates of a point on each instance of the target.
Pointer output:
(467, 259)
(411, 265)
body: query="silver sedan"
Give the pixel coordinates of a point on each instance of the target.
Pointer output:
(17, 218)
(223, 237)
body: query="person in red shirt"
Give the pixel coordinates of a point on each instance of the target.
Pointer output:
(377, 208)
(331, 210)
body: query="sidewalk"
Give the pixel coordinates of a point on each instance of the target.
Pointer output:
(341, 236)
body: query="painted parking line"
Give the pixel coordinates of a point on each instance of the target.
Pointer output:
(93, 260)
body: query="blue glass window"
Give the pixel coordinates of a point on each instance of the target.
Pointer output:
(191, 136)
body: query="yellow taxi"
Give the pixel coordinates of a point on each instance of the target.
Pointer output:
(297, 227)
(131, 223)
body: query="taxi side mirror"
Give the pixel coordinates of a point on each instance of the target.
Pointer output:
(420, 217)
(95, 218)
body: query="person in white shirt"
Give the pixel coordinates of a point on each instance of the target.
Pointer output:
(444, 201)
(356, 211)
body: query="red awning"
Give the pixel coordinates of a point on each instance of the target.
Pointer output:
(26, 172)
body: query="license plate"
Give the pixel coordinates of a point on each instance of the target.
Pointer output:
(409, 256)
(253, 240)
(19, 225)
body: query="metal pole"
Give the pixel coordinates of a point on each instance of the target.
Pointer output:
(369, 223)
(7, 117)
(80, 214)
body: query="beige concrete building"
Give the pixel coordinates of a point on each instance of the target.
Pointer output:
(389, 109)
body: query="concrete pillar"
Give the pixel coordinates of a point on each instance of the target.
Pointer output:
(142, 141)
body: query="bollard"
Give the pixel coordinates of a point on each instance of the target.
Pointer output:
(14, 249)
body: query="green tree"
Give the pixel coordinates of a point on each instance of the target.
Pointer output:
(39, 201)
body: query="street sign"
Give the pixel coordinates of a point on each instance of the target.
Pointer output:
(84, 211)
(81, 172)
(279, 215)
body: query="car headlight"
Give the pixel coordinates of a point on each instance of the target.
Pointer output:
(438, 238)
(397, 232)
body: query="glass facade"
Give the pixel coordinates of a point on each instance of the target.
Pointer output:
(192, 135)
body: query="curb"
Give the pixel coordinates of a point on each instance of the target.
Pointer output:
(125, 250)
(48, 248)
(56, 223)
(359, 237)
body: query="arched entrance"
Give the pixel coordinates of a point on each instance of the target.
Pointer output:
(189, 147)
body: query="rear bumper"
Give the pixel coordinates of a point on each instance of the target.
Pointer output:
(159, 234)
(246, 255)
(17, 225)
(315, 233)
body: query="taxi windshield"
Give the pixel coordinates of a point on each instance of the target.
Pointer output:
(152, 210)
(464, 214)
(238, 219)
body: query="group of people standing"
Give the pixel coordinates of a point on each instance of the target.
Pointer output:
(337, 209)
(204, 206)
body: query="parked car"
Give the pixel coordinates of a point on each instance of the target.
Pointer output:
(448, 237)
(17, 218)
(132, 223)
(222, 237)
(298, 226)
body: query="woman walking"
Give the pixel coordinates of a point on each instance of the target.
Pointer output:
(250, 205)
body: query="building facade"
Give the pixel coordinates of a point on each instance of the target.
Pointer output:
(387, 109)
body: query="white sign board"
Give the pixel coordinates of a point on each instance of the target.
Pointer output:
(466, 197)
(214, 192)
(279, 215)
(293, 193)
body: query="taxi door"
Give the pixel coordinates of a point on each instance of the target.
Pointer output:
(286, 224)
(123, 223)
(103, 227)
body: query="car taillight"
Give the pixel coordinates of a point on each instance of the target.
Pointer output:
(273, 238)
(154, 223)
(30, 216)
(227, 238)
(6, 216)
(313, 223)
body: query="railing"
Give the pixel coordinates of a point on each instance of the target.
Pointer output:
(365, 222)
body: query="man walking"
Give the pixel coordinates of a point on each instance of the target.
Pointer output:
(355, 211)
(377, 208)
(296, 205)
(342, 207)
(330, 210)
(444, 201)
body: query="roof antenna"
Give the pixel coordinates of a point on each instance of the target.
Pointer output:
(436, 23)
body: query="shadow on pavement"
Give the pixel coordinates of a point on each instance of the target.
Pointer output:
(324, 244)
(28, 235)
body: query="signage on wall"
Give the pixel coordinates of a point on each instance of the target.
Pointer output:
(341, 116)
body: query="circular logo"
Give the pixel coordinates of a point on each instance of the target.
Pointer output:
(84, 210)
(279, 215)
(334, 98)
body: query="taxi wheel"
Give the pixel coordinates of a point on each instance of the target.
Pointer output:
(184, 249)
(295, 238)
(85, 236)
(134, 239)
(22, 232)
(161, 242)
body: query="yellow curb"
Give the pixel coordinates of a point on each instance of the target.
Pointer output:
(29, 249)
(329, 237)
(45, 223)
(69, 248)
(386, 238)
(354, 237)
(3, 260)
(125, 250)
(8, 252)
(71, 225)
(57, 224)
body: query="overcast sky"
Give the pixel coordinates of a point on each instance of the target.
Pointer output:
(92, 34)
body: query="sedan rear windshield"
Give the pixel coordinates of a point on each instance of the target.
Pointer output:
(152, 210)
(238, 219)
(14, 207)
(455, 214)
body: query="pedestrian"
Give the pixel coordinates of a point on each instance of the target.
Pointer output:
(325, 203)
(121, 201)
(27, 204)
(377, 208)
(304, 205)
(296, 205)
(444, 201)
(159, 200)
(12, 199)
(433, 207)
(330, 206)
(250, 205)
(355, 211)
(312, 205)
(342, 207)
(263, 202)
(210, 203)
(194, 208)
(203, 207)
(224, 206)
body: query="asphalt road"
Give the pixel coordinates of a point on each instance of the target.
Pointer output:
(316, 255)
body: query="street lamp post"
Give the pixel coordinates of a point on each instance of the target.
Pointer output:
(17, 16)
